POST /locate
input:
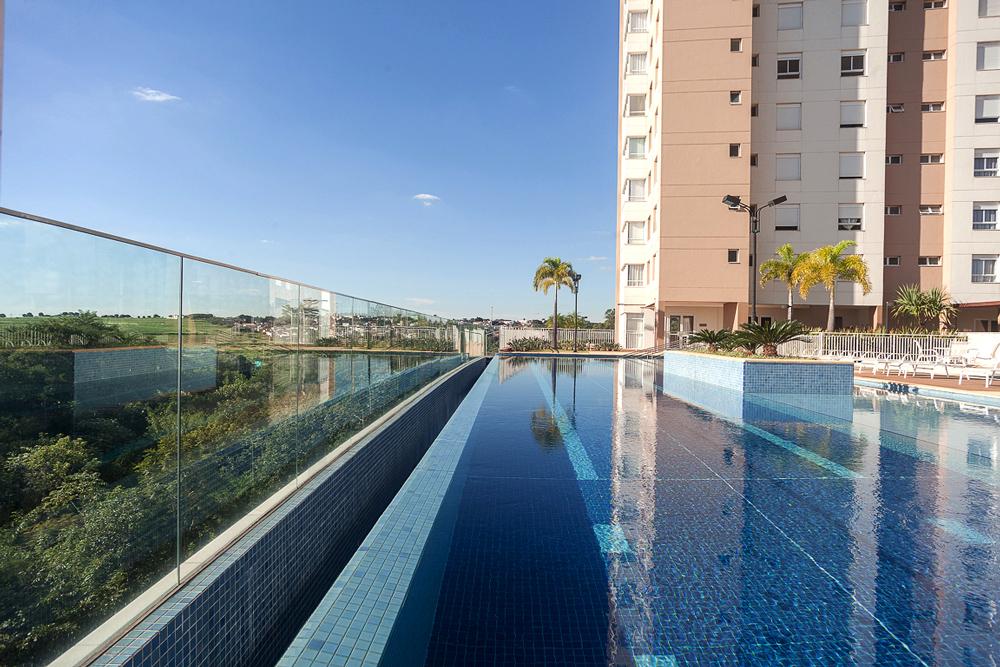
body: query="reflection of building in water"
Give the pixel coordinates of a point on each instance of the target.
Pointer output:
(633, 501)
(938, 470)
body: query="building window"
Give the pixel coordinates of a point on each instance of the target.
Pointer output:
(635, 275)
(636, 105)
(638, 21)
(931, 209)
(891, 260)
(931, 158)
(635, 189)
(755, 60)
(932, 55)
(897, 6)
(894, 209)
(786, 218)
(852, 165)
(897, 57)
(894, 159)
(932, 107)
(988, 8)
(753, 110)
(852, 114)
(734, 150)
(987, 108)
(735, 97)
(788, 117)
(984, 215)
(985, 162)
(755, 12)
(736, 44)
(788, 167)
(733, 256)
(852, 63)
(928, 261)
(635, 232)
(789, 65)
(636, 148)
(895, 108)
(790, 16)
(987, 55)
(753, 159)
(853, 12)
(935, 4)
(637, 63)
(984, 268)
(849, 217)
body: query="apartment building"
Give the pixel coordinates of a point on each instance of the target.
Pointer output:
(877, 120)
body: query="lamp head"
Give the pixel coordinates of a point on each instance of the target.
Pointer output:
(778, 200)
(732, 201)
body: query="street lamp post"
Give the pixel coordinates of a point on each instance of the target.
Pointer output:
(576, 303)
(753, 210)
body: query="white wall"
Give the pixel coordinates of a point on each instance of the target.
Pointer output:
(821, 139)
(966, 29)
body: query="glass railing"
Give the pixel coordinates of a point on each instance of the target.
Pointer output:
(149, 399)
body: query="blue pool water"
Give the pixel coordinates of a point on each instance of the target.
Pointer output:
(605, 513)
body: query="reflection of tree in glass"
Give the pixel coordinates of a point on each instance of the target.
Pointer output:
(545, 429)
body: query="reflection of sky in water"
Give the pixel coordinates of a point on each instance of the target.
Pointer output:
(52, 270)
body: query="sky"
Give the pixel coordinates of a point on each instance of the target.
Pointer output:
(423, 154)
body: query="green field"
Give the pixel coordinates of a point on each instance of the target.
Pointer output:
(143, 326)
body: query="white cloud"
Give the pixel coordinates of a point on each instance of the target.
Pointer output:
(265, 241)
(513, 90)
(426, 199)
(145, 94)
(594, 258)
(419, 301)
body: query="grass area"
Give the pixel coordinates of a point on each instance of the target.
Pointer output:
(143, 326)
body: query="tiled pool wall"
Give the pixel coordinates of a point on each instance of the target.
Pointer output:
(761, 377)
(399, 567)
(245, 608)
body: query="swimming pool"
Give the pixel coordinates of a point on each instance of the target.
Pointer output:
(601, 512)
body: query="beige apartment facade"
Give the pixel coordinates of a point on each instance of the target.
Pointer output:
(877, 120)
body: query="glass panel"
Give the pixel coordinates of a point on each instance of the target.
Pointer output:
(122, 366)
(88, 384)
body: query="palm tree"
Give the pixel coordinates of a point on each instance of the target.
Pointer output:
(827, 266)
(934, 305)
(782, 267)
(553, 272)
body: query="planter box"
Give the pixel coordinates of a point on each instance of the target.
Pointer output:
(760, 376)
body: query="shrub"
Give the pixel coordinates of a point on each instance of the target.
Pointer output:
(714, 339)
(769, 336)
(529, 345)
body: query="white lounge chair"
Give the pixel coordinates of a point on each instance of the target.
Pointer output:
(986, 368)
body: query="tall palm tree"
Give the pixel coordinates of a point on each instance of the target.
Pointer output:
(782, 267)
(827, 266)
(553, 272)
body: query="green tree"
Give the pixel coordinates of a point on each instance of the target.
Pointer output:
(827, 266)
(782, 267)
(553, 272)
(933, 307)
(609, 318)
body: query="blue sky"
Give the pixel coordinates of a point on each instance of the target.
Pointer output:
(293, 138)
